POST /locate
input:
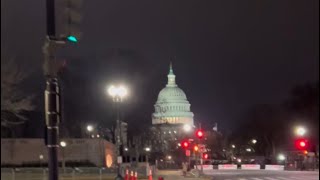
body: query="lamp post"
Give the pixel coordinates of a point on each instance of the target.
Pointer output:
(40, 158)
(254, 141)
(63, 144)
(90, 129)
(118, 93)
(300, 131)
(187, 127)
(147, 149)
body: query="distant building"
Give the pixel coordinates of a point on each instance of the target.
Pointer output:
(172, 106)
(28, 151)
(172, 112)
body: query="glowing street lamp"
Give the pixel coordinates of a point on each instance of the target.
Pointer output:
(281, 157)
(41, 158)
(63, 144)
(187, 127)
(248, 150)
(147, 149)
(118, 93)
(254, 141)
(233, 146)
(90, 128)
(300, 131)
(169, 157)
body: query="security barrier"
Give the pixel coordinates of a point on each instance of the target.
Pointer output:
(251, 166)
(227, 166)
(275, 167)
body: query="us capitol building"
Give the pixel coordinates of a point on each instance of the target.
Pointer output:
(172, 106)
(172, 113)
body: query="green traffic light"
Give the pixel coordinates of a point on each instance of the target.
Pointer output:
(72, 39)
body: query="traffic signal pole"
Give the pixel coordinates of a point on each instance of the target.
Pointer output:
(52, 93)
(201, 153)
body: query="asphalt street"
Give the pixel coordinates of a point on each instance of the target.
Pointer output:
(263, 175)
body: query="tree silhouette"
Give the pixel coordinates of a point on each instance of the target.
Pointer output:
(13, 101)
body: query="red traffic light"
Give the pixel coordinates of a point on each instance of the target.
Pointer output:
(301, 144)
(185, 144)
(205, 156)
(199, 134)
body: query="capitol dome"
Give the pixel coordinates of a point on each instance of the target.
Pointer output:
(175, 94)
(172, 106)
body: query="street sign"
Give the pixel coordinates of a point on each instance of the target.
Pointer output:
(188, 153)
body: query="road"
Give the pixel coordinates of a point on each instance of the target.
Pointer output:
(246, 175)
(263, 175)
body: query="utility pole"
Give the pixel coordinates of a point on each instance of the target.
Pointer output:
(201, 152)
(52, 92)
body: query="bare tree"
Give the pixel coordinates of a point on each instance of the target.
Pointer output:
(13, 102)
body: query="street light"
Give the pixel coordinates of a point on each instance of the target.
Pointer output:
(41, 158)
(248, 150)
(169, 157)
(233, 146)
(187, 127)
(254, 141)
(281, 157)
(300, 131)
(118, 93)
(147, 149)
(63, 144)
(90, 128)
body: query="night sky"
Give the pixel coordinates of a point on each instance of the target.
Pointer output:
(227, 55)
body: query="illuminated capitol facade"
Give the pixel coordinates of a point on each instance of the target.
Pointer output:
(172, 106)
(172, 114)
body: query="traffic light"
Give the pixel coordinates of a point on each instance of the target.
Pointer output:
(196, 148)
(301, 144)
(185, 144)
(205, 156)
(199, 134)
(73, 20)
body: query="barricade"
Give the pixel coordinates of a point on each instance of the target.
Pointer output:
(251, 166)
(275, 167)
(150, 174)
(136, 175)
(205, 167)
(126, 177)
(131, 175)
(227, 166)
